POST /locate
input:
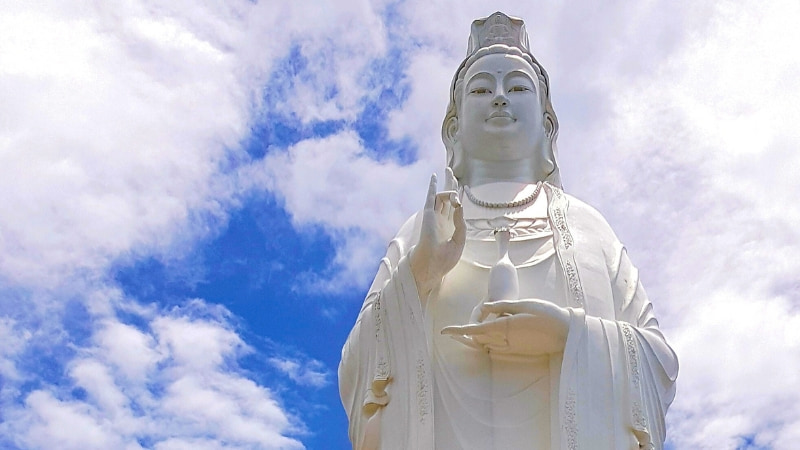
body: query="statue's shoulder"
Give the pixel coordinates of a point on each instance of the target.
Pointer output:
(409, 232)
(406, 237)
(585, 217)
(397, 248)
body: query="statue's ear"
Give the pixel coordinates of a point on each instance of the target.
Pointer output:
(451, 130)
(549, 126)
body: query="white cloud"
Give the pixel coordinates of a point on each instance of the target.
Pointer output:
(338, 41)
(172, 383)
(118, 122)
(132, 353)
(309, 373)
(13, 342)
(196, 345)
(739, 371)
(429, 74)
(333, 183)
(694, 164)
(114, 128)
(53, 423)
(117, 129)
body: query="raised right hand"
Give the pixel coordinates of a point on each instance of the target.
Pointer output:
(442, 236)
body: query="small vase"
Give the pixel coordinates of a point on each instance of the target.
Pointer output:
(503, 277)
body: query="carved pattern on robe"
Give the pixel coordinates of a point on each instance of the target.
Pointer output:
(561, 224)
(382, 372)
(570, 421)
(422, 389)
(557, 213)
(381, 361)
(639, 418)
(574, 282)
(633, 355)
(560, 220)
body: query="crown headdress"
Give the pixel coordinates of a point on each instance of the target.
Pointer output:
(502, 29)
(498, 29)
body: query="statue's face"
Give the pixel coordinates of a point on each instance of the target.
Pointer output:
(501, 117)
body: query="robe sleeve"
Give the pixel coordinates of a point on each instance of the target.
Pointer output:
(372, 372)
(618, 373)
(652, 364)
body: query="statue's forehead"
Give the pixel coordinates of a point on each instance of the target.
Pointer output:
(499, 64)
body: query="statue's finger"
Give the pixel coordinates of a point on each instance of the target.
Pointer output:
(430, 200)
(470, 329)
(443, 202)
(474, 317)
(450, 197)
(438, 205)
(469, 342)
(455, 202)
(532, 306)
(480, 313)
(502, 307)
(450, 183)
(498, 308)
(460, 233)
(451, 330)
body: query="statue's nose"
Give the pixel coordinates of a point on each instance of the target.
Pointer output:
(500, 100)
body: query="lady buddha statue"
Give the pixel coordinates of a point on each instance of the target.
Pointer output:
(506, 314)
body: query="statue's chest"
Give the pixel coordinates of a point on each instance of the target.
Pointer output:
(467, 284)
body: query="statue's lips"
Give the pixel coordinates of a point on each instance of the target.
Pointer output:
(501, 116)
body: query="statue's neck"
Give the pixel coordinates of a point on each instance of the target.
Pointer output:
(505, 192)
(479, 172)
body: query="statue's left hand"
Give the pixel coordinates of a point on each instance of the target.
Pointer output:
(522, 327)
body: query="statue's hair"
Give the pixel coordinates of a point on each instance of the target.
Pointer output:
(455, 159)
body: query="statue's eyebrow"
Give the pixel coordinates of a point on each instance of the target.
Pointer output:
(483, 74)
(518, 72)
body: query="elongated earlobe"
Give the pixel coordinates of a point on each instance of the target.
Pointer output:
(549, 126)
(451, 129)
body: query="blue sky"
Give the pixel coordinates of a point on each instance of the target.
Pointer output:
(196, 196)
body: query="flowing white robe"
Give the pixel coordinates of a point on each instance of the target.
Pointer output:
(609, 389)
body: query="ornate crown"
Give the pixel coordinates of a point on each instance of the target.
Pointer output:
(498, 29)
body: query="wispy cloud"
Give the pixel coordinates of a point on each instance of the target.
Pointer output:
(173, 380)
(119, 128)
(305, 373)
(709, 131)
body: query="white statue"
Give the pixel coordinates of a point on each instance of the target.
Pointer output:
(505, 315)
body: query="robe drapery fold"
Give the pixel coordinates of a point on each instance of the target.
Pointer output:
(617, 374)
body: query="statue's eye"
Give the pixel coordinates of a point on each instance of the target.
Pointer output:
(480, 91)
(519, 89)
